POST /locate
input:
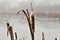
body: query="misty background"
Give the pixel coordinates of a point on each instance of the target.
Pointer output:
(14, 5)
(50, 26)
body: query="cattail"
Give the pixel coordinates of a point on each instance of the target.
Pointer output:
(42, 35)
(7, 24)
(16, 36)
(10, 30)
(32, 21)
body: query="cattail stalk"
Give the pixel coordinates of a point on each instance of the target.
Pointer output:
(42, 35)
(31, 6)
(7, 27)
(16, 36)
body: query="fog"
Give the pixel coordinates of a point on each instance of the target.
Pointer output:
(50, 26)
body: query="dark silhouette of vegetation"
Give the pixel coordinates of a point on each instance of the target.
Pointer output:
(42, 35)
(16, 36)
(30, 19)
(10, 31)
